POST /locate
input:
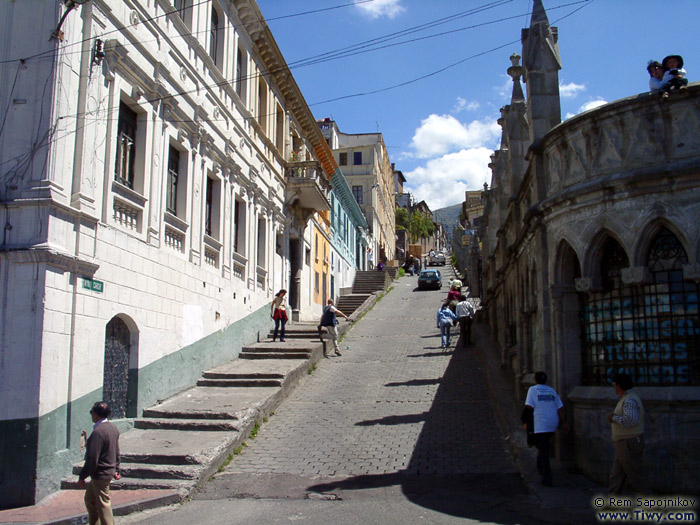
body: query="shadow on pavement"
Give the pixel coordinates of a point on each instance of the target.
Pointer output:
(459, 465)
(417, 382)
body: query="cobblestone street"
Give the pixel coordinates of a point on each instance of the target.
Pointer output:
(394, 411)
(394, 401)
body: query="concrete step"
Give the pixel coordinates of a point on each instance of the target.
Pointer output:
(220, 425)
(158, 413)
(273, 355)
(276, 348)
(182, 486)
(242, 375)
(296, 335)
(239, 382)
(154, 471)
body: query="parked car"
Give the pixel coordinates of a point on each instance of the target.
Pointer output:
(437, 258)
(430, 279)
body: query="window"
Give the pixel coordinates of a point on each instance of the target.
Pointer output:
(180, 7)
(212, 206)
(262, 239)
(357, 158)
(173, 174)
(214, 36)
(126, 146)
(357, 193)
(209, 208)
(241, 71)
(343, 158)
(239, 227)
(317, 288)
(279, 143)
(262, 105)
(650, 331)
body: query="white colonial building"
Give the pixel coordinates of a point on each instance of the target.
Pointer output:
(161, 177)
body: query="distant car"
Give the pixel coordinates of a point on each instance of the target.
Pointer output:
(430, 279)
(437, 258)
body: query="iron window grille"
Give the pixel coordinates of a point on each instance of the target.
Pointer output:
(649, 331)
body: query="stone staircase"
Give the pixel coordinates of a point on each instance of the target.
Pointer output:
(180, 442)
(366, 283)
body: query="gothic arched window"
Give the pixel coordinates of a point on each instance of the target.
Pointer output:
(650, 330)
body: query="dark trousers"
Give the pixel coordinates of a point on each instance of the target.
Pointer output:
(465, 330)
(277, 328)
(542, 441)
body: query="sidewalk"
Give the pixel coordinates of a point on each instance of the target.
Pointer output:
(571, 491)
(67, 506)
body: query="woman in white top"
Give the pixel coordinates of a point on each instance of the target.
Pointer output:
(278, 311)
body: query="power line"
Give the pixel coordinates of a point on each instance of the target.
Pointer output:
(36, 147)
(303, 13)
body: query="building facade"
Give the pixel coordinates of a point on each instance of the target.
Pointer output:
(590, 260)
(364, 161)
(162, 177)
(348, 226)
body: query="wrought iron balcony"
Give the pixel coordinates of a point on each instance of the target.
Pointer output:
(307, 186)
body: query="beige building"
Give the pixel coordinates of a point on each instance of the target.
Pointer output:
(364, 161)
(591, 260)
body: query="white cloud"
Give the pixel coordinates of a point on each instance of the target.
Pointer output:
(505, 90)
(464, 105)
(570, 90)
(440, 134)
(378, 8)
(442, 181)
(591, 104)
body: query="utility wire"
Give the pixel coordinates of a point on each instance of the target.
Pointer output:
(367, 93)
(285, 68)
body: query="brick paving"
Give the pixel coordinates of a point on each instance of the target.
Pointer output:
(393, 403)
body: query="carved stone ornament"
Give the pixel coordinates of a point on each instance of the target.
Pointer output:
(183, 74)
(635, 275)
(691, 272)
(134, 18)
(584, 284)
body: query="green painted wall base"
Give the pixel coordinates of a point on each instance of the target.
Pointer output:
(35, 454)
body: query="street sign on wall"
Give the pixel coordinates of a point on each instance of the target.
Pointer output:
(94, 285)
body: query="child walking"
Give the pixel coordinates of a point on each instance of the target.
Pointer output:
(445, 319)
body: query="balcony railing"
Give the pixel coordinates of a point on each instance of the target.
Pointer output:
(307, 184)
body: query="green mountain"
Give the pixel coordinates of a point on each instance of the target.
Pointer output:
(449, 216)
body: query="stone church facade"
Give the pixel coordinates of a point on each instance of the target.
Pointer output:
(590, 257)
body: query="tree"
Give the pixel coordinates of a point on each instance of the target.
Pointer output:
(402, 218)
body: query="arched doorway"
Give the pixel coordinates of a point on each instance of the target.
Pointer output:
(119, 380)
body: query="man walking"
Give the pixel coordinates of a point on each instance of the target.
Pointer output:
(548, 414)
(101, 465)
(628, 438)
(330, 321)
(465, 314)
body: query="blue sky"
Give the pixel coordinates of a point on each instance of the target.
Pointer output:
(440, 130)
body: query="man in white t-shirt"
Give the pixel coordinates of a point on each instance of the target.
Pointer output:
(548, 414)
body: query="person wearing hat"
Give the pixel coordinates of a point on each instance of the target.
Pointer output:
(674, 74)
(656, 75)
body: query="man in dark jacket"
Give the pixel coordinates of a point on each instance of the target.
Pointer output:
(329, 321)
(101, 465)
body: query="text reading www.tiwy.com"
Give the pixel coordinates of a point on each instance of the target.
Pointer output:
(639, 515)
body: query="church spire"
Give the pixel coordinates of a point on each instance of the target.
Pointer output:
(541, 63)
(539, 15)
